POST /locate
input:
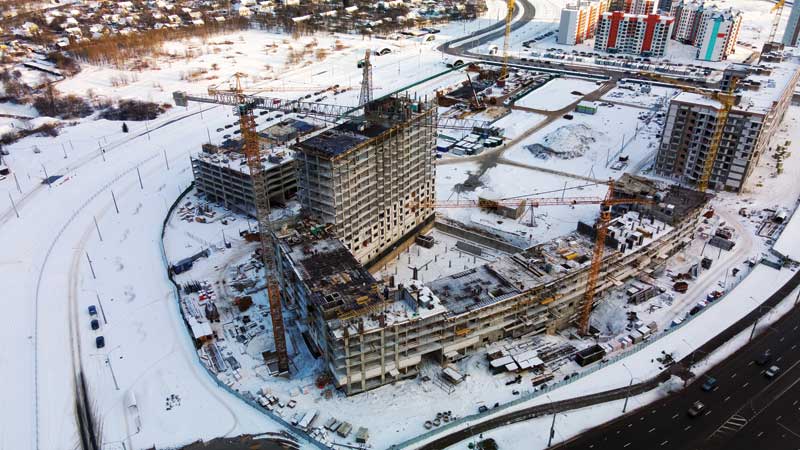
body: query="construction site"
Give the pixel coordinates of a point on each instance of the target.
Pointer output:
(394, 267)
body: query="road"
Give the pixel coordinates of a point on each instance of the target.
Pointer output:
(745, 410)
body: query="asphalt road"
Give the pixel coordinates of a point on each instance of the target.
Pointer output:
(746, 410)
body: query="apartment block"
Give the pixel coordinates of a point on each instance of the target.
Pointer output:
(717, 34)
(579, 22)
(692, 120)
(643, 7)
(222, 175)
(372, 178)
(712, 30)
(371, 335)
(619, 32)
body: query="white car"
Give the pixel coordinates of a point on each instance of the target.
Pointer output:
(772, 372)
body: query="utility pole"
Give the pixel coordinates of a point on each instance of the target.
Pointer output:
(102, 311)
(47, 177)
(114, 197)
(139, 174)
(16, 181)
(552, 430)
(627, 396)
(91, 267)
(98, 228)
(13, 205)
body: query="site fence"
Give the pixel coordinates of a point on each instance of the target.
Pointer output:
(291, 430)
(527, 395)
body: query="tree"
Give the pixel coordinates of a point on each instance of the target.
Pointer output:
(124, 127)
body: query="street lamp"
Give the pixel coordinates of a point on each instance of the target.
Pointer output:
(628, 392)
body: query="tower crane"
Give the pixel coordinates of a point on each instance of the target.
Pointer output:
(252, 152)
(776, 10)
(507, 38)
(601, 231)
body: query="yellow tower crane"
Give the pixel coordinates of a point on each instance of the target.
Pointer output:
(777, 10)
(509, 17)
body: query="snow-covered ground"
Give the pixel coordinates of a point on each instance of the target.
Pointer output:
(557, 94)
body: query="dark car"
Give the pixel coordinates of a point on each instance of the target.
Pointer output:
(764, 359)
(710, 384)
(697, 408)
(100, 341)
(482, 409)
(95, 324)
(92, 310)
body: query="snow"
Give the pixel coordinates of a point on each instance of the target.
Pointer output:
(556, 94)
(589, 145)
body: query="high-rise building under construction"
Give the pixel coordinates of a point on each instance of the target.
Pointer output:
(372, 177)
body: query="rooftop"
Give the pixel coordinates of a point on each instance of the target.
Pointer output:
(339, 284)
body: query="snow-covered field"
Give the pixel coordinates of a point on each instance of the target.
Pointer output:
(557, 94)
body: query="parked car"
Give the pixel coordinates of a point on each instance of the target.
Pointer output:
(95, 324)
(482, 409)
(696, 408)
(100, 341)
(764, 359)
(772, 372)
(92, 310)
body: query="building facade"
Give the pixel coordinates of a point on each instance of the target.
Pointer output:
(643, 7)
(712, 30)
(579, 22)
(372, 179)
(222, 176)
(717, 34)
(692, 119)
(648, 35)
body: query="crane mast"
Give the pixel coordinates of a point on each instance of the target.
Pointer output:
(509, 17)
(252, 152)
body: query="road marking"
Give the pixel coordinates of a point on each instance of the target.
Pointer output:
(687, 428)
(652, 429)
(641, 418)
(664, 443)
(780, 340)
(733, 376)
(707, 412)
(630, 425)
(715, 389)
(778, 418)
(793, 346)
(727, 398)
(778, 358)
(619, 431)
(759, 434)
(795, 402)
(750, 363)
(746, 384)
(653, 411)
(626, 445)
(676, 415)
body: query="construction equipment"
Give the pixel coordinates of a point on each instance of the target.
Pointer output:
(727, 101)
(251, 149)
(601, 231)
(476, 104)
(509, 16)
(777, 10)
(366, 81)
